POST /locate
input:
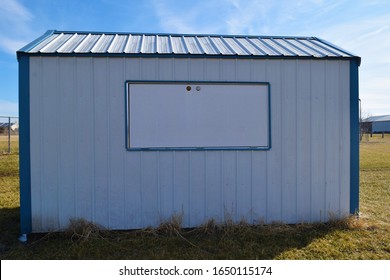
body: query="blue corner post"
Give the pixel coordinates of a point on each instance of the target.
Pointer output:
(24, 145)
(354, 130)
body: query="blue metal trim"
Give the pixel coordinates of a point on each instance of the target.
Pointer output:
(267, 148)
(24, 145)
(354, 130)
(126, 116)
(269, 118)
(200, 149)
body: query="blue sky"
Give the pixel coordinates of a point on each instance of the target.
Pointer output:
(361, 27)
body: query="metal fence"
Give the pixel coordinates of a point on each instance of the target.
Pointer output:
(9, 134)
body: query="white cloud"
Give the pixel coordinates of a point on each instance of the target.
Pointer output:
(327, 7)
(13, 10)
(368, 38)
(276, 17)
(8, 108)
(14, 26)
(10, 45)
(358, 34)
(182, 19)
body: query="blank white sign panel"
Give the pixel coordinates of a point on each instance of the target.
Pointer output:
(197, 115)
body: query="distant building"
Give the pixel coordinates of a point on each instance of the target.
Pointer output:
(4, 126)
(376, 124)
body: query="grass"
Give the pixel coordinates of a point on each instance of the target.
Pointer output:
(4, 143)
(9, 194)
(365, 238)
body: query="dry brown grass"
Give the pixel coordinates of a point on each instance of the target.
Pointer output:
(82, 230)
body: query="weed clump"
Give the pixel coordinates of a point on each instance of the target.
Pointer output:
(83, 230)
(351, 222)
(171, 227)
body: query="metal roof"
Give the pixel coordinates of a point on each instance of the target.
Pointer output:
(384, 118)
(93, 43)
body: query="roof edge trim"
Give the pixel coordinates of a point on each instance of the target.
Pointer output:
(188, 55)
(34, 43)
(358, 58)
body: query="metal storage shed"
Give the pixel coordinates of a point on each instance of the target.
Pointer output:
(127, 130)
(378, 124)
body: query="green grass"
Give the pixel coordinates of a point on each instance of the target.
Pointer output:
(4, 143)
(9, 194)
(365, 238)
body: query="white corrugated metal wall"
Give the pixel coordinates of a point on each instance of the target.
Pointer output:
(80, 166)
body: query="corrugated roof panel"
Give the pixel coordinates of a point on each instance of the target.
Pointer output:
(87, 44)
(317, 48)
(220, 46)
(154, 44)
(163, 44)
(331, 49)
(118, 44)
(148, 44)
(72, 43)
(200, 46)
(310, 48)
(207, 45)
(192, 45)
(133, 44)
(236, 46)
(286, 44)
(54, 45)
(178, 45)
(263, 46)
(102, 45)
(42, 44)
(251, 47)
(303, 50)
(280, 49)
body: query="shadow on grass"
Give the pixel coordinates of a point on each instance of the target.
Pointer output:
(9, 228)
(208, 242)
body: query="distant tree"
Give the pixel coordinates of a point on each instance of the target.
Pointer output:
(365, 127)
(364, 115)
